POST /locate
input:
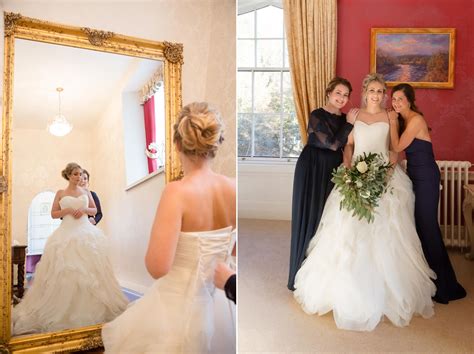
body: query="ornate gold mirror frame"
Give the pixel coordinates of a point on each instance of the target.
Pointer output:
(18, 26)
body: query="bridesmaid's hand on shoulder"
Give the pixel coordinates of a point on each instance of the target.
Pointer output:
(393, 117)
(352, 115)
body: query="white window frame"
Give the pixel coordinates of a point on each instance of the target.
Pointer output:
(51, 224)
(247, 6)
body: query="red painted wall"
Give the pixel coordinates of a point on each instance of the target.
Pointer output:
(449, 112)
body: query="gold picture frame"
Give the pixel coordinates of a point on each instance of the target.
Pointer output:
(422, 57)
(18, 26)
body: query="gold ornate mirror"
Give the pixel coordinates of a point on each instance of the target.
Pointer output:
(50, 69)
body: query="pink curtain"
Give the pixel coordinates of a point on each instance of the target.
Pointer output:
(150, 130)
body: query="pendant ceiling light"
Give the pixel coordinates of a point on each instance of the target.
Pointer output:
(59, 125)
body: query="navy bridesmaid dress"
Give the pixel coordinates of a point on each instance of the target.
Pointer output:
(327, 135)
(425, 175)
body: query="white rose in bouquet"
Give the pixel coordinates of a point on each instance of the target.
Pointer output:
(362, 167)
(362, 185)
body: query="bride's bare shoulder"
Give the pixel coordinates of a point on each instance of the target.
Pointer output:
(228, 180)
(60, 193)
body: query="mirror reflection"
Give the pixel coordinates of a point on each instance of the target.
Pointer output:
(86, 107)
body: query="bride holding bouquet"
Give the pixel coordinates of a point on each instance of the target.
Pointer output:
(365, 260)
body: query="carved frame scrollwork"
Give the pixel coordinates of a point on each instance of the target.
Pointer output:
(18, 26)
(97, 38)
(174, 52)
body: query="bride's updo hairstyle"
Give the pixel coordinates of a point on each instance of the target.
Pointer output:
(199, 130)
(365, 84)
(71, 166)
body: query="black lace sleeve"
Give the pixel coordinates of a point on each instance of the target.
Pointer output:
(329, 132)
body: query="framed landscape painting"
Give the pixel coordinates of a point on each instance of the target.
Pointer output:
(422, 57)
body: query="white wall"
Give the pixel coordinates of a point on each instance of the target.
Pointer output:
(136, 165)
(265, 190)
(207, 30)
(221, 78)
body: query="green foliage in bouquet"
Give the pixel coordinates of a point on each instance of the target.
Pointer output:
(362, 185)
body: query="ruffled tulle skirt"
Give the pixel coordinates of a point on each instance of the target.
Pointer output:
(74, 284)
(363, 271)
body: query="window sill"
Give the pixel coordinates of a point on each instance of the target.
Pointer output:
(267, 161)
(146, 178)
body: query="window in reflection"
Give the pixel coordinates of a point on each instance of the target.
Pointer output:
(144, 123)
(40, 226)
(40, 222)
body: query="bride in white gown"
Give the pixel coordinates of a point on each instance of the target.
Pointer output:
(182, 312)
(362, 271)
(73, 285)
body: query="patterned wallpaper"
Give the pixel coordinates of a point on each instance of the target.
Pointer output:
(221, 81)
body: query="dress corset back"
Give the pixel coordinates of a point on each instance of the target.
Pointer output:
(371, 138)
(196, 256)
(182, 310)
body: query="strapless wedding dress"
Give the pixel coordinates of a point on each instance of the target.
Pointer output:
(74, 283)
(364, 271)
(181, 312)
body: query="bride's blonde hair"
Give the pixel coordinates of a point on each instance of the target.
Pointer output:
(199, 130)
(70, 167)
(365, 84)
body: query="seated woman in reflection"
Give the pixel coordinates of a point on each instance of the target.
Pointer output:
(74, 284)
(191, 233)
(94, 219)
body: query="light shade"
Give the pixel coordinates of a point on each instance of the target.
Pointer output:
(59, 126)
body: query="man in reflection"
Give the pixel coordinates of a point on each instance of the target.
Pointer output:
(85, 178)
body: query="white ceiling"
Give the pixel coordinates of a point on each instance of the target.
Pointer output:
(90, 79)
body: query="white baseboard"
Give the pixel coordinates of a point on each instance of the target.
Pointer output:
(267, 210)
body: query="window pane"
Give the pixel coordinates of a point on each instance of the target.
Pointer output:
(270, 53)
(270, 22)
(244, 134)
(246, 25)
(286, 63)
(245, 53)
(288, 103)
(267, 92)
(244, 91)
(267, 135)
(291, 136)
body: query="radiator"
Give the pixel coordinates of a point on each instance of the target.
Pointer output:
(454, 175)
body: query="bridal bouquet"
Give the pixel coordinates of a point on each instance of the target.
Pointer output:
(362, 185)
